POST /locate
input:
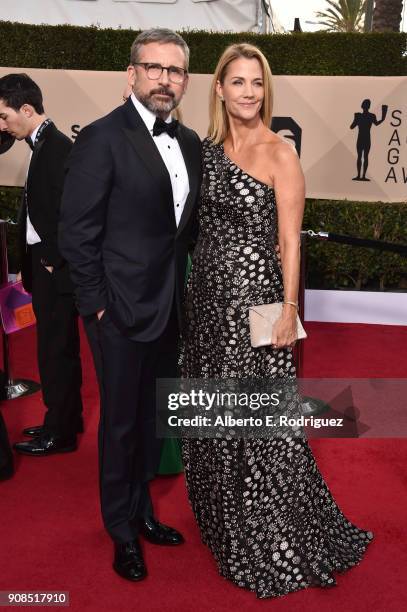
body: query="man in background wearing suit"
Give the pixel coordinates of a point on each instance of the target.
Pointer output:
(127, 214)
(44, 272)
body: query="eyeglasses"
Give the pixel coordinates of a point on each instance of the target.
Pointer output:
(154, 71)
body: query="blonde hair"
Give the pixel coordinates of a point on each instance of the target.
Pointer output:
(218, 119)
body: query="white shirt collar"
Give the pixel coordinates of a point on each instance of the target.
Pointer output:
(34, 134)
(147, 116)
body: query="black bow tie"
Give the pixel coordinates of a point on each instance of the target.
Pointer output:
(29, 142)
(161, 126)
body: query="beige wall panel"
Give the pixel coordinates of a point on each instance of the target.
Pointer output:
(322, 107)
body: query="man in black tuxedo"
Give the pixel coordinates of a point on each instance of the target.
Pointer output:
(45, 273)
(128, 209)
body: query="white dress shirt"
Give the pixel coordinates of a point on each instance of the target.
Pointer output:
(171, 154)
(31, 235)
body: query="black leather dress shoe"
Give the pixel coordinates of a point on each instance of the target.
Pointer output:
(128, 561)
(46, 445)
(38, 430)
(157, 533)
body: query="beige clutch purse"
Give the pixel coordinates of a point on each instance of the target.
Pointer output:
(261, 321)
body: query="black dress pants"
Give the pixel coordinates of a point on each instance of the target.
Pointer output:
(6, 455)
(58, 351)
(129, 451)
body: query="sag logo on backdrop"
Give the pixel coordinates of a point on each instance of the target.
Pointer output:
(393, 155)
(364, 122)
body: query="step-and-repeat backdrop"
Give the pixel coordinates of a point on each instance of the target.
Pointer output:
(336, 123)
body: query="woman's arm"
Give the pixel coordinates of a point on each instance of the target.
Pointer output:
(289, 188)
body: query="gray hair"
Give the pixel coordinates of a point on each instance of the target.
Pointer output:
(160, 35)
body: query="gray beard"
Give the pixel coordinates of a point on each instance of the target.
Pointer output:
(157, 107)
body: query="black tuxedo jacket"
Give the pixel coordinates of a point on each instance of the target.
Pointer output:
(45, 182)
(117, 227)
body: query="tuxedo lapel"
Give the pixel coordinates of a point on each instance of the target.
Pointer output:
(144, 147)
(36, 151)
(33, 161)
(193, 169)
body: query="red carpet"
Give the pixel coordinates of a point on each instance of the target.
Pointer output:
(52, 537)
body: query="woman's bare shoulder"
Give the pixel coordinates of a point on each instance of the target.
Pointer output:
(279, 149)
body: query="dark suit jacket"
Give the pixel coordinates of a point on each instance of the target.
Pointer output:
(117, 227)
(45, 182)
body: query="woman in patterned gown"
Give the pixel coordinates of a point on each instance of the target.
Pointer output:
(262, 505)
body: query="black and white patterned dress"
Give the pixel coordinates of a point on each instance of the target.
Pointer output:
(262, 505)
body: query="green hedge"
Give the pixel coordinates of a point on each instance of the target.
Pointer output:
(10, 199)
(319, 53)
(329, 265)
